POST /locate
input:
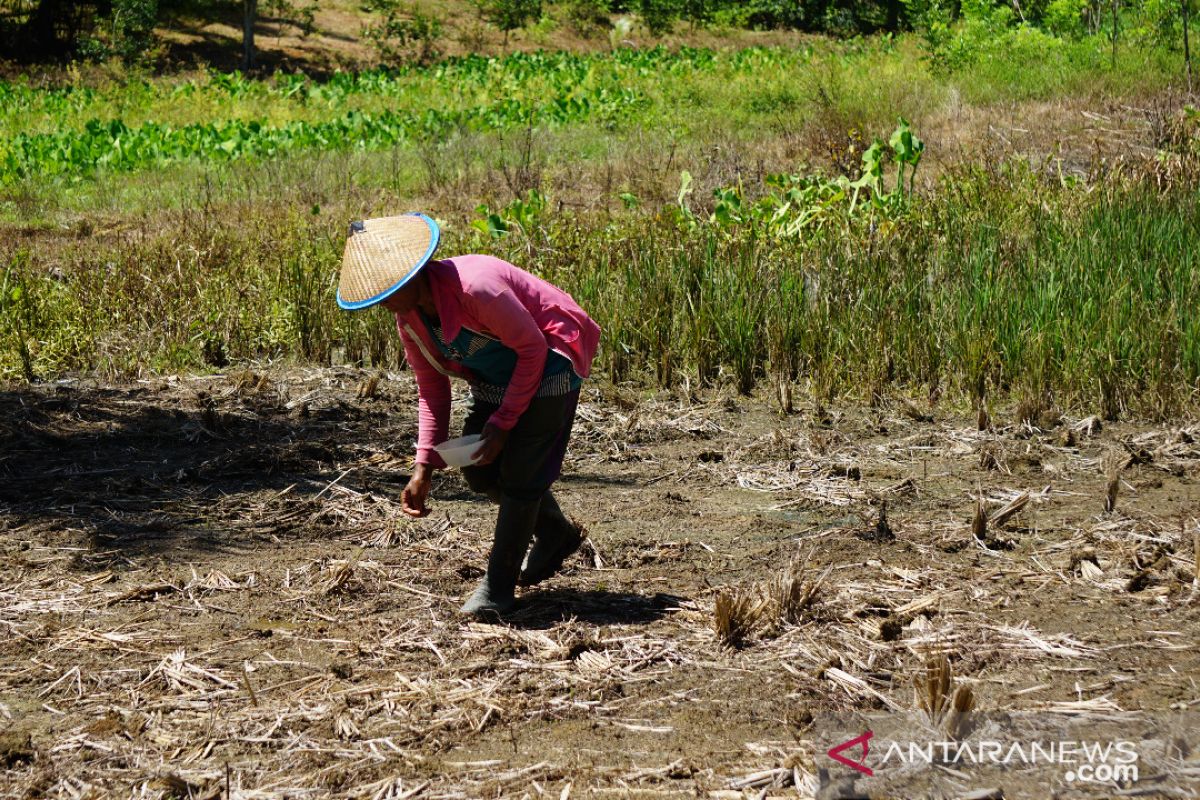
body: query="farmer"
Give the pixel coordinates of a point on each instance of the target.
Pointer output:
(522, 345)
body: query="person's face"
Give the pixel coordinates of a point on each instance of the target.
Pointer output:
(406, 298)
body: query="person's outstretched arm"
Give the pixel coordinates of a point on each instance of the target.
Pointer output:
(433, 425)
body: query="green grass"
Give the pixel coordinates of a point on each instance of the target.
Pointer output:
(74, 131)
(1083, 70)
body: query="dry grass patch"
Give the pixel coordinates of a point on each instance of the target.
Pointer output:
(736, 614)
(795, 593)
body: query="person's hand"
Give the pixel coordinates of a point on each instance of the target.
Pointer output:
(412, 500)
(491, 445)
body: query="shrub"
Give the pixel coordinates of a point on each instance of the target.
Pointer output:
(1161, 22)
(539, 31)
(778, 14)
(1065, 17)
(989, 32)
(659, 15)
(509, 15)
(125, 33)
(588, 17)
(405, 33)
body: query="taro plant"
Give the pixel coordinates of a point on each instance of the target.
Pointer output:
(906, 150)
(521, 215)
(794, 204)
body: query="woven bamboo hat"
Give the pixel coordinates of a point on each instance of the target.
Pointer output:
(382, 255)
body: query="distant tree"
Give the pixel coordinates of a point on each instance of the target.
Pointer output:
(1115, 25)
(658, 15)
(290, 12)
(249, 15)
(126, 31)
(588, 17)
(51, 30)
(1187, 49)
(509, 15)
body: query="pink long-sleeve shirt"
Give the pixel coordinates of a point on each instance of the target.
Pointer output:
(490, 296)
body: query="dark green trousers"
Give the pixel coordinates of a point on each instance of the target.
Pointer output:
(520, 478)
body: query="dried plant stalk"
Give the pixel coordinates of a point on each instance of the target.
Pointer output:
(1110, 493)
(793, 595)
(1010, 509)
(368, 388)
(173, 786)
(249, 687)
(1196, 555)
(1090, 570)
(933, 693)
(341, 573)
(736, 614)
(958, 720)
(345, 727)
(914, 413)
(783, 394)
(979, 525)
(1028, 410)
(248, 381)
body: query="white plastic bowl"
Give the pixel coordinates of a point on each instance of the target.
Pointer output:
(457, 452)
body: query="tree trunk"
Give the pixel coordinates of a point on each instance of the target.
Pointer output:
(1187, 51)
(1114, 53)
(249, 12)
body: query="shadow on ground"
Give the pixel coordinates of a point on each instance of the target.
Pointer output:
(203, 47)
(540, 610)
(138, 471)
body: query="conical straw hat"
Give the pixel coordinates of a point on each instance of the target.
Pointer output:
(382, 255)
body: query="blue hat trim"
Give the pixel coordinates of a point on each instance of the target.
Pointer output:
(370, 301)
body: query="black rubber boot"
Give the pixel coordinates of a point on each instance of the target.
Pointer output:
(514, 528)
(555, 539)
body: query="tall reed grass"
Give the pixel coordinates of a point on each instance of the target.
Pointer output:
(1001, 285)
(1000, 282)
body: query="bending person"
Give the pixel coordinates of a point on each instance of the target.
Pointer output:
(523, 346)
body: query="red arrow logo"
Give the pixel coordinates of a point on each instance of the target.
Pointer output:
(858, 741)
